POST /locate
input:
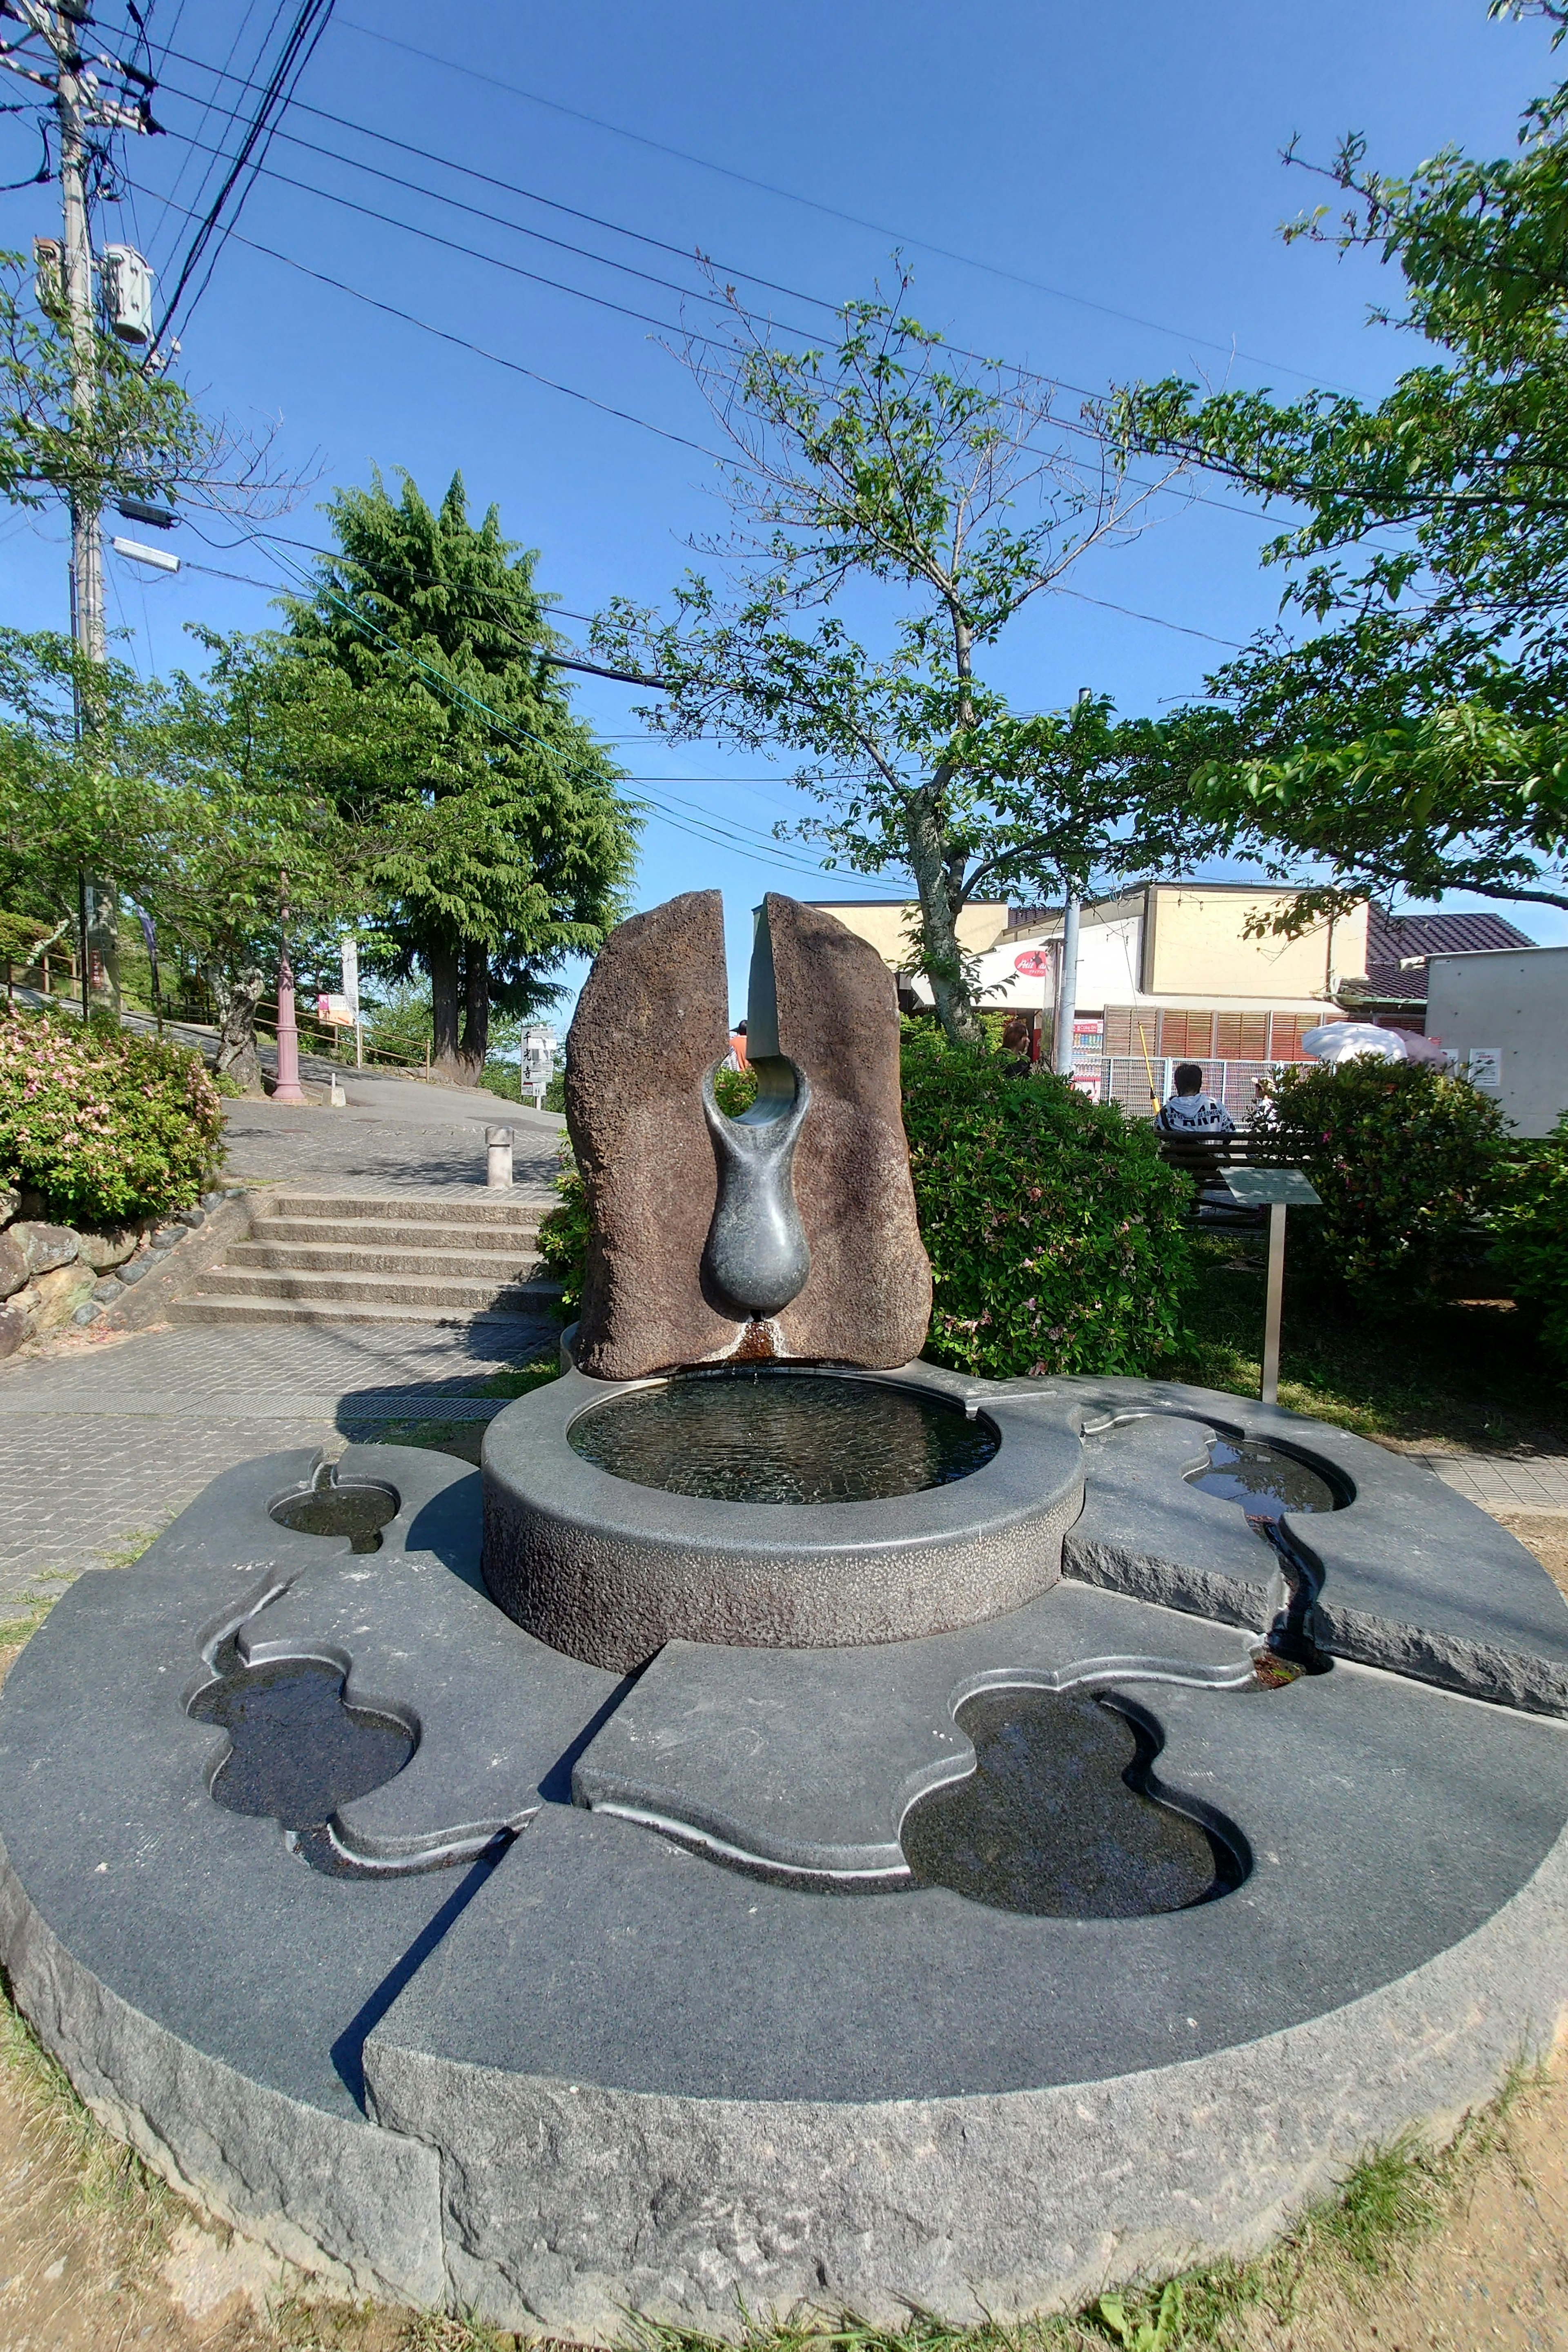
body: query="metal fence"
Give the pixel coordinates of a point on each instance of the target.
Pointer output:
(1124, 1079)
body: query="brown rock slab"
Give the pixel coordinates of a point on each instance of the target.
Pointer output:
(45, 1246)
(10, 1201)
(652, 1020)
(14, 1328)
(867, 1299)
(55, 1296)
(109, 1248)
(654, 1015)
(12, 1265)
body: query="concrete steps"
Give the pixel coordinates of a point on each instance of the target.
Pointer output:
(450, 1256)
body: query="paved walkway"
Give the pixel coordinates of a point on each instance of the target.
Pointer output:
(1501, 1482)
(394, 1132)
(102, 1445)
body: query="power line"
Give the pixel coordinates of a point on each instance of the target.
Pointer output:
(462, 343)
(310, 22)
(813, 204)
(489, 180)
(519, 228)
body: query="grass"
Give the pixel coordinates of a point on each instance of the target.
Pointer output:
(1468, 1374)
(1347, 2245)
(106, 2182)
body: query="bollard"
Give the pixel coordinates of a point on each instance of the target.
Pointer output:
(497, 1159)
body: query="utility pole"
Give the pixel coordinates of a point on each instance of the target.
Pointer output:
(87, 539)
(1067, 970)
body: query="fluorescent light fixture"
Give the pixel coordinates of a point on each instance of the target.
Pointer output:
(158, 558)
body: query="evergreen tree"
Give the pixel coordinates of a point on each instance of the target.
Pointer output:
(510, 848)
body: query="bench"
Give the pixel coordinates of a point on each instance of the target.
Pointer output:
(1203, 1157)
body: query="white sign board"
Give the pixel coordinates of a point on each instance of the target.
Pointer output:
(1483, 1065)
(351, 973)
(536, 1060)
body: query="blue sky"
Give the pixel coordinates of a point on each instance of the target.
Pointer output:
(1093, 192)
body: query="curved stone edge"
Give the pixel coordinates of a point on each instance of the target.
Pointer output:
(568, 2206)
(1479, 1670)
(607, 1572)
(357, 2205)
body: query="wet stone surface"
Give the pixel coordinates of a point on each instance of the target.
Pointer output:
(299, 1752)
(1265, 1481)
(766, 1436)
(1053, 1821)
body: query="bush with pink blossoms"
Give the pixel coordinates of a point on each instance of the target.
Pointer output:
(110, 1127)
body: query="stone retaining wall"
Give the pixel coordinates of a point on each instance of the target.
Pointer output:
(54, 1278)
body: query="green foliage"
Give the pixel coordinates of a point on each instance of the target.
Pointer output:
(1532, 1225)
(1417, 740)
(141, 439)
(563, 1236)
(19, 936)
(509, 846)
(1163, 2332)
(1404, 1160)
(397, 1022)
(734, 1091)
(107, 1125)
(887, 465)
(1057, 1236)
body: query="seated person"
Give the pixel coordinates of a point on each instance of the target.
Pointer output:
(1192, 1112)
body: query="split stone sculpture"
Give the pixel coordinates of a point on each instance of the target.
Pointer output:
(788, 1233)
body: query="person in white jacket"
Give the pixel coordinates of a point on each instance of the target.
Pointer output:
(1190, 1111)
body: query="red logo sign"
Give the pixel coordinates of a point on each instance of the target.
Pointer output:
(1033, 963)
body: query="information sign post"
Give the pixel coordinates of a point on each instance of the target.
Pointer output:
(536, 1062)
(1277, 1189)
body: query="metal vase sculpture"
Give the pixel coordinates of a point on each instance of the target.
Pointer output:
(757, 1257)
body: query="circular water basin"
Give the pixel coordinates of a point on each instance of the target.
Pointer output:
(747, 1435)
(1265, 1481)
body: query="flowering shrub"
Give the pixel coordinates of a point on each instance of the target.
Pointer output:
(1057, 1236)
(1531, 1226)
(1404, 1159)
(107, 1125)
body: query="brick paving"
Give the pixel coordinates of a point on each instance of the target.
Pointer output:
(103, 1444)
(1537, 1483)
(77, 1491)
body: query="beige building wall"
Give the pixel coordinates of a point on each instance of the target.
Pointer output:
(1195, 943)
(887, 924)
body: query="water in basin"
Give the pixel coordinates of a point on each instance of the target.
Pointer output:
(1265, 1481)
(357, 1507)
(299, 1750)
(766, 1436)
(1057, 1819)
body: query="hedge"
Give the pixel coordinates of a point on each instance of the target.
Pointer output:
(108, 1126)
(1405, 1161)
(1058, 1237)
(1532, 1227)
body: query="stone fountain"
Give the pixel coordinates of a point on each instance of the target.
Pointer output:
(801, 1825)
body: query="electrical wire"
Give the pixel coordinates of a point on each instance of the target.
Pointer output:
(477, 212)
(1067, 425)
(813, 204)
(463, 342)
(311, 20)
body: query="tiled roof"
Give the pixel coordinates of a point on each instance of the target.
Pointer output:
(1390, 938)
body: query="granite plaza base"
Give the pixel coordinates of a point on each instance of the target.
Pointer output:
(621, 1995)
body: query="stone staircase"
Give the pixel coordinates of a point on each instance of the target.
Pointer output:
(450, 1256)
